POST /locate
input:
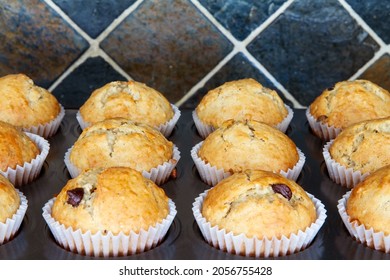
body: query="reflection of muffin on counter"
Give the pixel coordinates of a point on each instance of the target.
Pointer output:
(345, 104)
(365, 210)
(116, 208)
(22, 154)
(13, 206)
(237, 146)
(28, 106)
(241, 100)
(357, 151)
(130, 100)
(255, 212)
(121, 142)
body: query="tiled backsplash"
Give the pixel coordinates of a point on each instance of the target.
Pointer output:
(184, 48)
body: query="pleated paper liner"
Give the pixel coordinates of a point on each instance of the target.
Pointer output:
(322, 130)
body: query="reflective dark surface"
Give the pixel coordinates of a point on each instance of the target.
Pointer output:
(184, 240)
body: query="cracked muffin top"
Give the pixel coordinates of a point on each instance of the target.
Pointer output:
(24, 104)
(241, 100)
(364, 146)
(9, 199)
(120, 142)
(16, 148)
(237, 146)
(259, 204)
(369, 201)
(350, 102)
(130, 100)
(116, 199)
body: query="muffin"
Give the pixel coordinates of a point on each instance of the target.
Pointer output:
(237, 146)
(358, 150)
(108, 206)
(131, 100)
(29, 107)
(13, 206)
(256, 206)
(22, 154)
(365, 210)
(241, 100)
(121, 142)
(345, 104)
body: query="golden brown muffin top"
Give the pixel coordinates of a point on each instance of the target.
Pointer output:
(369, 202)
(237, 146)
(350, 102)
(120, 142)
(131, 100)
(24, 104)
(364, 146)
(114, 199)
(16, 147)
(259, 204)
(241, 100)
(9, 199)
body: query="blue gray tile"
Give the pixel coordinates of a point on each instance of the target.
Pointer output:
(376, 13)
(93, 16)
(312, 45)
(243, 16)
(379, 72)
(237, 68)
(168, 45)
(36, 41)
(75, 89)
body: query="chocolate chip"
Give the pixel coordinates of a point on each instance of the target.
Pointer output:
(330, 89)
(282, 189)
(75, 196)
(322, 118)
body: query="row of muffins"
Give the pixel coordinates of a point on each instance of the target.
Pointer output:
(252, 133)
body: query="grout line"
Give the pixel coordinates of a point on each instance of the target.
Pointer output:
(278, 85)
(371, 62)
(205, 79)
(113, 64)
(118, 20)
(267, 22)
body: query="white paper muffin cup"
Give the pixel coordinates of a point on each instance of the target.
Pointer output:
(346, 177)
(12, 225)
(107, 244)
(242, 245)
(159, 174)
(165, 129)
(49, 129)
(204, 130)
(25, 174)
(373, 239)
(211, 175)
(322, 130)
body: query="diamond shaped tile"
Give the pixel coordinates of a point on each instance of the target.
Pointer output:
(241, 17)
(93, 16)
(379, 72)
(376, 13)
(168, 45)
(237, 68)
(312, 45)
(36, 41)
(75, 89)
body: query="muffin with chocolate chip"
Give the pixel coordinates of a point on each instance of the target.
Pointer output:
(241, 100)
(237, 146)
(116, 199)
(122, 142)
(131, 100)
(345, 104)
(28, 106)
(258, 213)
(259, 204)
